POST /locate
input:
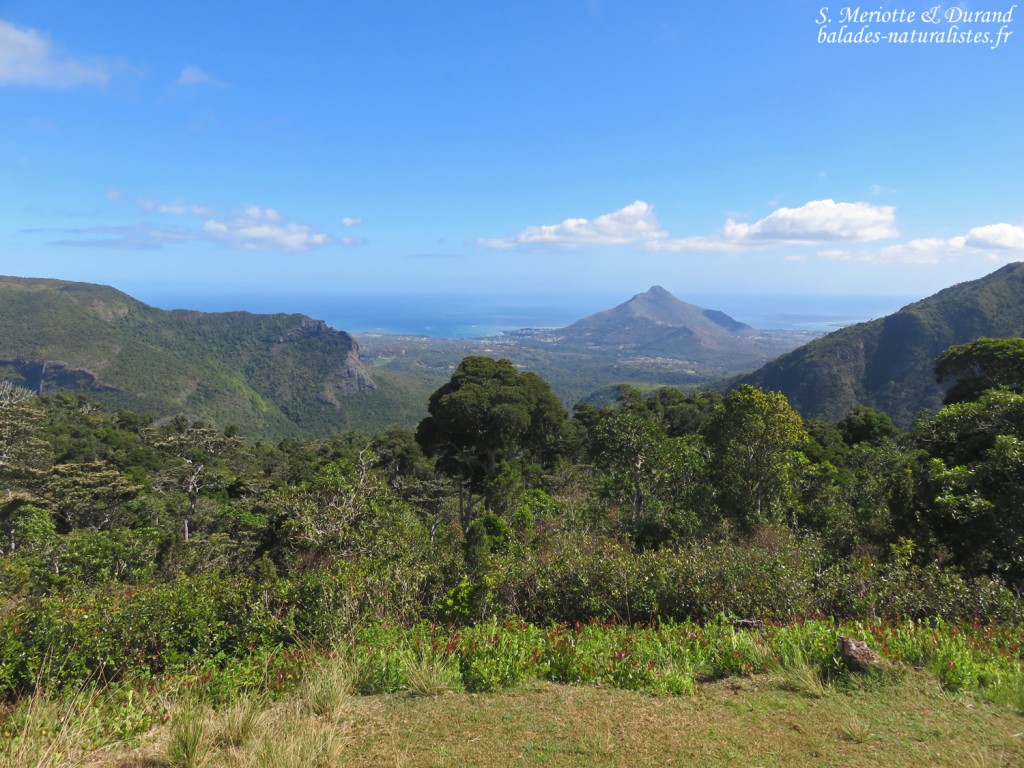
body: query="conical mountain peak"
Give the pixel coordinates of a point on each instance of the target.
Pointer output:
(648, 316)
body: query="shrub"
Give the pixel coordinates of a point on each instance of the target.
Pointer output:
(492, 658)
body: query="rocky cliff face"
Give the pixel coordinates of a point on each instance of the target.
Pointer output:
(350, 378)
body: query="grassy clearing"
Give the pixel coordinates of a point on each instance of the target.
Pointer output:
(498, 694)
(734, 722)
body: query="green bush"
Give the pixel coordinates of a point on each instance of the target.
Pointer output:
(861, 588)
(492, 657)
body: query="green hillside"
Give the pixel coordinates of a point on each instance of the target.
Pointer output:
(282, 375)
(287, 375)
(888, 363)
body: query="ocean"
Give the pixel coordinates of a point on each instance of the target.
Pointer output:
(460, 316)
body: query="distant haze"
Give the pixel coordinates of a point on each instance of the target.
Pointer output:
(468, 315)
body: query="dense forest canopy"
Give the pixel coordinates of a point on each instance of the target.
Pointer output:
(660, 506)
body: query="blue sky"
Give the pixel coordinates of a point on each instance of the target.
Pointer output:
(496, 147)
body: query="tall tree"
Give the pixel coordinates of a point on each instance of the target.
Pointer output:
(755, 438)
(658, 479)
(197, 447)
(24, 456)
(93, 495)
(975, 482)
(487, 413)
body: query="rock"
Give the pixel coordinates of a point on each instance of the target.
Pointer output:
(742, 624)
(857, 656)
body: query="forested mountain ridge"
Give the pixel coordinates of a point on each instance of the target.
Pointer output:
(288, 375)
(273, 375)
(888, 363)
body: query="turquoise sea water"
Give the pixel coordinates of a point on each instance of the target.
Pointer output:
(467, 316)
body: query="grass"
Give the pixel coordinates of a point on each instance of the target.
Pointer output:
(431, 673)
(190, 745)
(329, 686)
(856, 731)
(732, 722)
(803, 678)
(495, 694)
(45, 736)
(293, 740)
(240, 721)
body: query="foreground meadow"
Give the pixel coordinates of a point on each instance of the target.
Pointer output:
(741, 722)
(514, 694)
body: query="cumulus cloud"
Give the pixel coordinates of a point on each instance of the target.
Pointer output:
(192, 75)
(819, 221)
(264, 229)
(820, 229)
(999, 237)
(351, 221)
(992, 241)
(815, 223)
(30, 58)
(635, 224)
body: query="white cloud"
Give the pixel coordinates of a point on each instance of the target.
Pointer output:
(351, 221)
(819, 221)
(1000, 237)
(192, 75)
(635, 224)
(249, 228)
(925, 250)
(842, 231)
(29, 58)
(264, 229)
(993, 241)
